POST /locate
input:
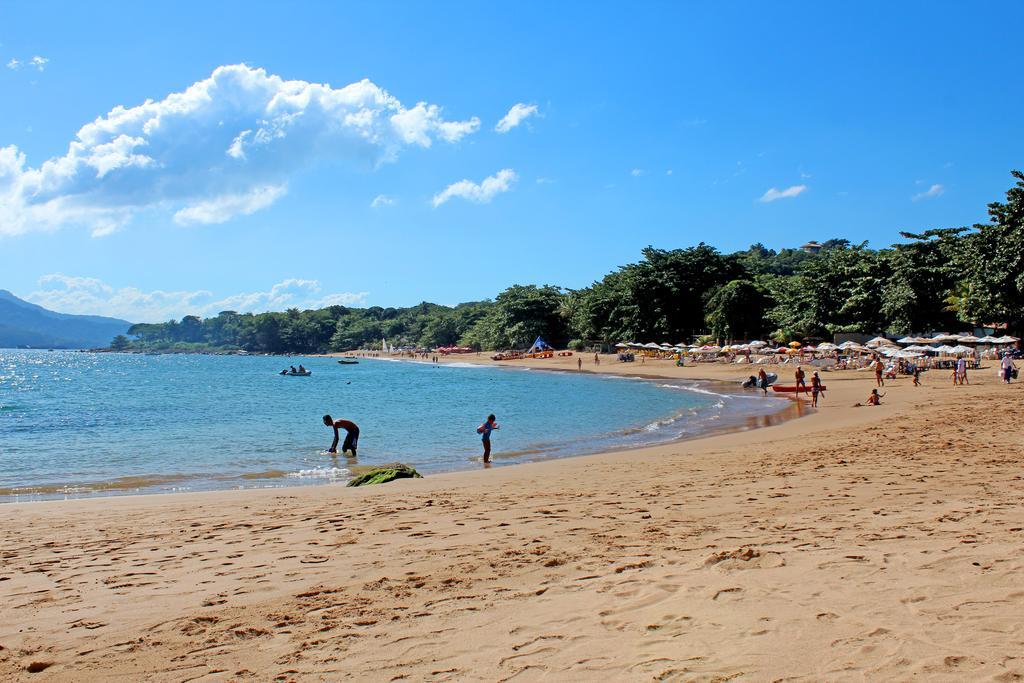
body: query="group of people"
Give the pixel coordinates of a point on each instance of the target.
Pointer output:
(292, 371)
(351, 442)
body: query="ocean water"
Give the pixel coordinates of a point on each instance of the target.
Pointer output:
(80, 424)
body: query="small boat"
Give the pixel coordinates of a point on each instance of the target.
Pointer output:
(795, 389)
(307, 373)
(348, 361)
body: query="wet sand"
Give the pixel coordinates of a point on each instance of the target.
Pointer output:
(853, 543)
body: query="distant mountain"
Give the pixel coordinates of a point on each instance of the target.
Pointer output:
(23, 324)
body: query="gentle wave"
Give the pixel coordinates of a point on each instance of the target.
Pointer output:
(321, 473)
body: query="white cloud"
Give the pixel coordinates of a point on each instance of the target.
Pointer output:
(637, 172)
(480, 194)
(932, 192)
(86, 295)
(211, 151)
(39, 63)
(516, 115)
(381, 200)
(223, 208)
(791, 191)
(668, 172)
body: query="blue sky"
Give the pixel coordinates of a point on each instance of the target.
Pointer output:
(647, 123)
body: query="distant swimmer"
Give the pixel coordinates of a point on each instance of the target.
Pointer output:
(485, 431)
(351, 435)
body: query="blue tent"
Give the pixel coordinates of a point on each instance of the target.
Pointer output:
(540, 345)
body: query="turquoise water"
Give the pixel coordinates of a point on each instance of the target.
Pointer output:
(78, 424)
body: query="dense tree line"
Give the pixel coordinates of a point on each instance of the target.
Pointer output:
(940, 279)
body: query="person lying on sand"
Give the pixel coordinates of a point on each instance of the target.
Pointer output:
(351, 435)
(875, 399)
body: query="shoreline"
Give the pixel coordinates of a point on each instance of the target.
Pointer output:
(744, 554)
(133, 485)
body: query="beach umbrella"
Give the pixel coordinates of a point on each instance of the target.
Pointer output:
(968, 339)
(879, 341)
(988, 339)
(960, 350)
(827, 346)
(945, 338)
(620, 345)
(1007, 339)
(906, 340)
(758, 344)
(794, 344)
(919, 349)
(652, 345)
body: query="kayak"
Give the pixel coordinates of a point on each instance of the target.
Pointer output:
(751, 382)
(793, 389)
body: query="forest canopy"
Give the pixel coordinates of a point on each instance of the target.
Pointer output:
(939, 279)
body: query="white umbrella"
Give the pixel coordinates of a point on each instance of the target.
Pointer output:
(988, 339)
(758, 344)
(960, 349)
(652, 345)
(879, 341)
(946, 338)
(827, 346)
(620, 345)
(1007, 339)
(919, 349)
(906, 340)
(968, 339)
(905, 353)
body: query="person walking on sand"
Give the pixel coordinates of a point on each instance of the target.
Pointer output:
(351, 435)
(762, 381)
(917, 375)
(879, 370)
(800, 375)
(597, 359)
(1007, 367)
(961, 371)
(815, 389)
(579, 363)
(485, 435)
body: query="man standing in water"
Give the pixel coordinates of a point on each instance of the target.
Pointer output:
(351, 435)
(485, 434)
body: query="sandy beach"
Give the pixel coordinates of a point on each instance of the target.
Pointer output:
(852, 543)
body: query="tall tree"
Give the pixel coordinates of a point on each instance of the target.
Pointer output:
(993, 264)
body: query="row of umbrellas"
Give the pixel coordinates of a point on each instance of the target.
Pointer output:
(887, 347)
(944, 339)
